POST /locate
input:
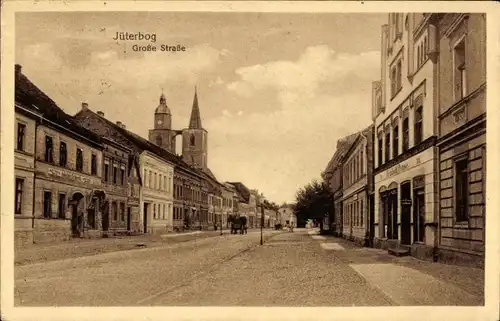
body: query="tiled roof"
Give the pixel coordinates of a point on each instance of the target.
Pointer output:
(34, 99)
(242, 190)
(144, 144)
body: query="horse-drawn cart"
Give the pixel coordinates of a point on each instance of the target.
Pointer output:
(238, 223)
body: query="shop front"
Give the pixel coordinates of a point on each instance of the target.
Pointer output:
(406, 204)
(67, 204)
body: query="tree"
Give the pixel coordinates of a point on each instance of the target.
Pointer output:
(313, 201)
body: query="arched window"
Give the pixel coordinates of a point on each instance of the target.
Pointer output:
(159, 141)
(192, 140)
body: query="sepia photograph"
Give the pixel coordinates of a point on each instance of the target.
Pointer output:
(248, 159)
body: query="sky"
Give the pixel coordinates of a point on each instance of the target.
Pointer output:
(276, 90)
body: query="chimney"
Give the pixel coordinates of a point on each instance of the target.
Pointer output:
(18, 70)
(100, 113)
(119, 123)
(85, 106)
(123, 126)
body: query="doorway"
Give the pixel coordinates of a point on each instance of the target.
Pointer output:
(77, 215)
(145, 218)
(406, 213)
(371, 219)
(105, 216)
(129, 218)
(391, 205)
(419, 216)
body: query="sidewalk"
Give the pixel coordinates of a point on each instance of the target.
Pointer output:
(73, 248)
(462, 284)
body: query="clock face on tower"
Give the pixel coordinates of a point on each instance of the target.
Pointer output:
(159, 122)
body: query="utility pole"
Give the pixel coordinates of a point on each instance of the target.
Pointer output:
(261, 223)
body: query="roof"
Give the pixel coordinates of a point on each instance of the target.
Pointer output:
(34, 99)
(195, 120)
(242, 190)
(143, 144)
(343, 145)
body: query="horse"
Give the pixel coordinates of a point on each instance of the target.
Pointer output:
(238, 224)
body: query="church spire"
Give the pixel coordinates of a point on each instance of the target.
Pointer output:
(195, 121)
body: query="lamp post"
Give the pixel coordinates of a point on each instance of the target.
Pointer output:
(221, 224)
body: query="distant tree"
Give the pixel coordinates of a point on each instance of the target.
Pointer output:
(313, 201)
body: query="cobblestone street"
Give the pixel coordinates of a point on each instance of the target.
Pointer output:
(290, 269)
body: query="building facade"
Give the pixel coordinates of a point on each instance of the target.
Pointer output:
(157, 193)
(461, 57)
(152, 169)
(115, 214)
(68, 195)
(24, 173)
(227, 205)
(404, 110)
(356, 185)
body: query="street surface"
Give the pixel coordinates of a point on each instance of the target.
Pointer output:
(290, 269)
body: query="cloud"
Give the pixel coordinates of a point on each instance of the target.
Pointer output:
(137, 71)
(301, 133)
(302, 78)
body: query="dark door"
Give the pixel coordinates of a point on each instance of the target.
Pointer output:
(406, 214)
(74, 220)
(105, 217)
(371, 220)
(146, 206)
(129, 218)
(419, 216)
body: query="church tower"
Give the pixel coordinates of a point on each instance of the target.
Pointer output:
(162, 134)
(194, 139)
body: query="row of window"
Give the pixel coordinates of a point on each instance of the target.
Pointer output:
(354, 214)
(162, 211)
(118, 174)
(385, 153)
(157, 181)
(63, 152)
(47, 205)
(189, 193)
(227, 202)
(354, 168)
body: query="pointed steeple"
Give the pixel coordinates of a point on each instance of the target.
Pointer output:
(195, 121)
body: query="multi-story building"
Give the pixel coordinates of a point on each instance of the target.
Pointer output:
(357, 183)
(286, 214)
(157, 192)
(246, 203)
(227, 204)
(116, 215)
(153, 166)
(67, 194)
(458, 46)
(24, 169)
(332, 177)
(404, 113)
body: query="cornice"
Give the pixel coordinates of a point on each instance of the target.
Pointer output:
(455, 24)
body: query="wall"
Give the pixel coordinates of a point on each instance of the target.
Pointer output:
(23, 169)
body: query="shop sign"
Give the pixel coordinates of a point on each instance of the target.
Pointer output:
(64, 174)
(406, 201)
(397, 169)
